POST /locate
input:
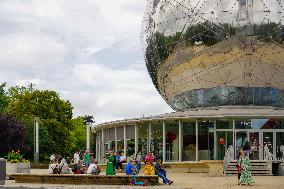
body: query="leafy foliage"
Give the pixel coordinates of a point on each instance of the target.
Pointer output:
(58, 131)
(55, 116)
(15, 157)
(13, 134)
(3, 98)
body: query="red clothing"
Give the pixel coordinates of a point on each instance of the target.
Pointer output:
(149, 158)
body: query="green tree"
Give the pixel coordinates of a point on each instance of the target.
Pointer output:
(55, 117)
(4, 100)
(77, 135)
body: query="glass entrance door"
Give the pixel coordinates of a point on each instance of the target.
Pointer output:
(254, 141)
(254, 152)
(241, 141)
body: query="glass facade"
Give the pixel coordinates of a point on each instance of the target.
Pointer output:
(172, 141)
(279, 145)
(130, 141)
(189, 141)
(205, 140)
(120, 138)
(143, 134)
(195, 140)
(156, 142)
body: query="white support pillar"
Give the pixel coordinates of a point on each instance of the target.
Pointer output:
(234, 138)
(180, 143)
(115, 139)
(125, 141)
(196, 140)
(136, 138)
(164, 141)
(149, 137)
(96, 143)
(215, 141)
(103, 145)
(274, 146)
(36, 155)
(99, 146)
(261, 146)
(88, 136)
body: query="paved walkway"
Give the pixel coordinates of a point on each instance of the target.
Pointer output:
(181, 181)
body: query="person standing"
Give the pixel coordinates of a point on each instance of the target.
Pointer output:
(110, 160)
(76, 157)
(245, 178)
(87, 158)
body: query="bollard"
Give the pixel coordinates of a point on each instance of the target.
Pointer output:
(2, 171)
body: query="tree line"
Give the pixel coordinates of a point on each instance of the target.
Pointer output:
(59, 132)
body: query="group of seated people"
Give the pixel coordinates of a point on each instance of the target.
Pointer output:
(153, 166)
(60, 167)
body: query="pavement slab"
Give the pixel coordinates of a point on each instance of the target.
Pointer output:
(181, 181)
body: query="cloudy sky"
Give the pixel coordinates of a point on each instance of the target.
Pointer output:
(87, 50)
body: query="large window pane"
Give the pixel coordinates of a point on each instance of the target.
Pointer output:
(254, 145)
(241, 141)
(130, 141)
(120, 138)
(259, 124)
(204, 139)
(142, 139)
(279, 145)
(268, 140)
(172, 144)
(189, 141)
(120, 145)
(224, 124)
(157, 139)
(224, 140)
(130, 151)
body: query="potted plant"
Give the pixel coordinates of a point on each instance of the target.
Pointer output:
(16, 163)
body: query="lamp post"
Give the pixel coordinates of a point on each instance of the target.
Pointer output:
(89, 121)
(36, 139)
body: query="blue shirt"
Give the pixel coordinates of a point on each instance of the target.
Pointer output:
(117, 157)
(128, 169)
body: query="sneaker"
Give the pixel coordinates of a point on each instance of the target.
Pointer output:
(170, 182)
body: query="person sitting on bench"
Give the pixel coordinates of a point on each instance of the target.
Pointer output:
(93, 168)
(162, 172)
(129, 168)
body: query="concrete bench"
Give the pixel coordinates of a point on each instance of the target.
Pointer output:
(80, 179)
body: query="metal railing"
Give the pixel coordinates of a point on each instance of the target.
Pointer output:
(229, 156)
(268, 157)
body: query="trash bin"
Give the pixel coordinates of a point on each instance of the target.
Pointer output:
(2, 171)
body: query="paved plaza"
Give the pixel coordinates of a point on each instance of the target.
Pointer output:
(181, 181)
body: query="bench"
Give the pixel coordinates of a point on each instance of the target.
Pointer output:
(80, 179)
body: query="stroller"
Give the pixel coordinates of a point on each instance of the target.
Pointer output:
(133, 181)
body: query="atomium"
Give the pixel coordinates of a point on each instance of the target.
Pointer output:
(204, 53)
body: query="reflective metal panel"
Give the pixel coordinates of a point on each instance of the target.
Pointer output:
(202, 53)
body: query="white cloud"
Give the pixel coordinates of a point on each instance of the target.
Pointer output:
(89, 51)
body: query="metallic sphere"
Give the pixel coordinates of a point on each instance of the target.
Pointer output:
(203, 53)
